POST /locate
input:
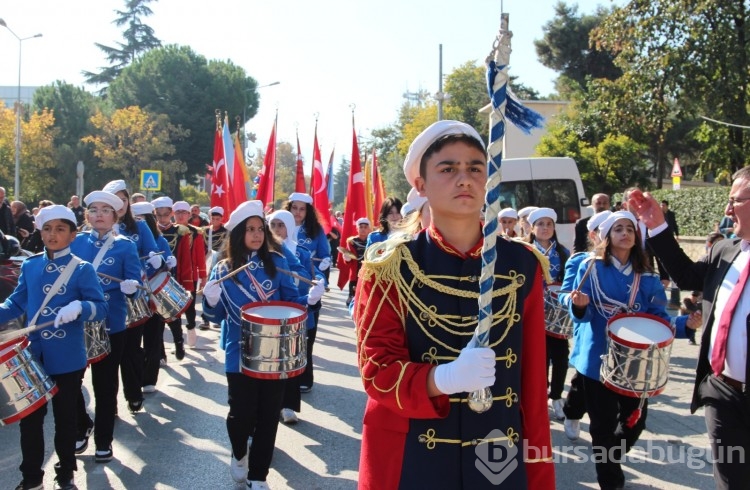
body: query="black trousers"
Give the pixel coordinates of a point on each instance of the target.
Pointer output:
(557, 356)
(131, 365)
(611, 437)
(176, 325)
(575, 402)
(32, 430)
(106, 383)
(153, 348)
(307, 378)
(727, 413)
(254, 406)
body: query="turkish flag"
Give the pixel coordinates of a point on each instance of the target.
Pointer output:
(318, 188)
(219, 180)
(267, 174)
(239, 175)
(355, 205)
(299, 182)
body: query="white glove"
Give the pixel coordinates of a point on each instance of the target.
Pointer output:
(129, 286)
(325, 264)
(473, 370)
(68, 313)
(316, 292)
(154, 260)
(212, 293)
(346, 257)
(171, 261)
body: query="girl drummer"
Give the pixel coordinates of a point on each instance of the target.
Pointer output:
(544, 237)
(620, 280)
(254, 404)
(117, 257)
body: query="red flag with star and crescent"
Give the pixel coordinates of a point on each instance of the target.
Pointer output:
(267, 174)
(219, 180)
(318, 187)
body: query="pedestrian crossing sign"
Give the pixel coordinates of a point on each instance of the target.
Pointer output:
(150, 180)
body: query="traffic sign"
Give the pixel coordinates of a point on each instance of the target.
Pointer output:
(676, 170)
(150, 180)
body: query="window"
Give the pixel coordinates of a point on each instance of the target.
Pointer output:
(558, 194)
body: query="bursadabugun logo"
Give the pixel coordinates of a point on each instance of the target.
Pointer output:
(496, 459)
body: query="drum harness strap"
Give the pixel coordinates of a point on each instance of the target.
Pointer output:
(62, 280)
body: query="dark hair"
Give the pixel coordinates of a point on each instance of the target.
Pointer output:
(443, 141)
(127, 219)
(665, 202)
(312, 222)
(150, 220)
(237, 253)
(559, 248)
(714, 237)
(638, 258)
(388, 203)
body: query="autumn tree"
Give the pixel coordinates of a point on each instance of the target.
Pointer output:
(131, 139)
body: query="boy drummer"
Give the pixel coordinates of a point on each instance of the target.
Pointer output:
(49, 291)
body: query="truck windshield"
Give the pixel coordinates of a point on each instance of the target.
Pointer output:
(558, 194)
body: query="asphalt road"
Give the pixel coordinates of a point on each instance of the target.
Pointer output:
(179, 441)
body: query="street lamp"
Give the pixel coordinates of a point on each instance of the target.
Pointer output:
(17, 181)
(244, 107)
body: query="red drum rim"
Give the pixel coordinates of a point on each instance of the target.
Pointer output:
(273, 321)
(138, 323)
(162, 283)
(15, 346)
(31, 408)
(98, 358)
(630, 393)
(639, 345)
(272, 374)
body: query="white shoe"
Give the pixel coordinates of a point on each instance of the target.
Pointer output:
(557, 408)
(288, 416)
(149, 389)
(258, 485)
(572, 429)
(238, 469)
(192, 338)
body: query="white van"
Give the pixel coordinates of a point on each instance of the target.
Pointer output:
(546, 182)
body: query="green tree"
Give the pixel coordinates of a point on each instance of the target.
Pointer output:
(176, 81)
(138, 39)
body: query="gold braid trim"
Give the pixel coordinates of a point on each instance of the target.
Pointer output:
(543, 259)
(431, 441)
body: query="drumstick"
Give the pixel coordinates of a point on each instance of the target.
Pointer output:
(296, 276)
(17, 334)
(149, 256)
(231, 274)
(117, 279)
(585, 276)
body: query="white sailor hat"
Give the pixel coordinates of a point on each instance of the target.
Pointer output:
(618, 215)
(115, 186)
(597, 220)
(427, 137)
(542, 213)
(163, 202)
(244, 211)
(414, 202)
(301, 196)
(508, 213)
(105, 197)
(362, 221)
(524, 212)
(141, 208)
(181, 206)
(216, 210)
(56, 211)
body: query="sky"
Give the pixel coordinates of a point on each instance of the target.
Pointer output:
(332, 58)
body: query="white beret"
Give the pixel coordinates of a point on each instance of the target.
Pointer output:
(55, 211)
(285, 217)
(414, 202)
(301, 196)
(597, 220)
(508, 213)
(427, 137)
(216, 210)
(105, 197)
(361, 221)
(542, 213)
(523, 212)
(181, 206)
(162, 202)
(115, 186)
(244, 211)
(140, 208)
(607, 224)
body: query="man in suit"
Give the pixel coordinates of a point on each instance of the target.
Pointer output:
(723, 370)
(670, 218)
(600, 202)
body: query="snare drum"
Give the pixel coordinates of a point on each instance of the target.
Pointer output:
(556, 319)
(274, 340)
(169, 296)
(637, 360)
(24, 384)
(139, 310)
(97, 341)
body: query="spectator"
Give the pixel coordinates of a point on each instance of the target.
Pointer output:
(22, 220)
(78, 210)
(6, 215)
(726, 227)
(196, 219)
(600, 202)
(670, 217)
